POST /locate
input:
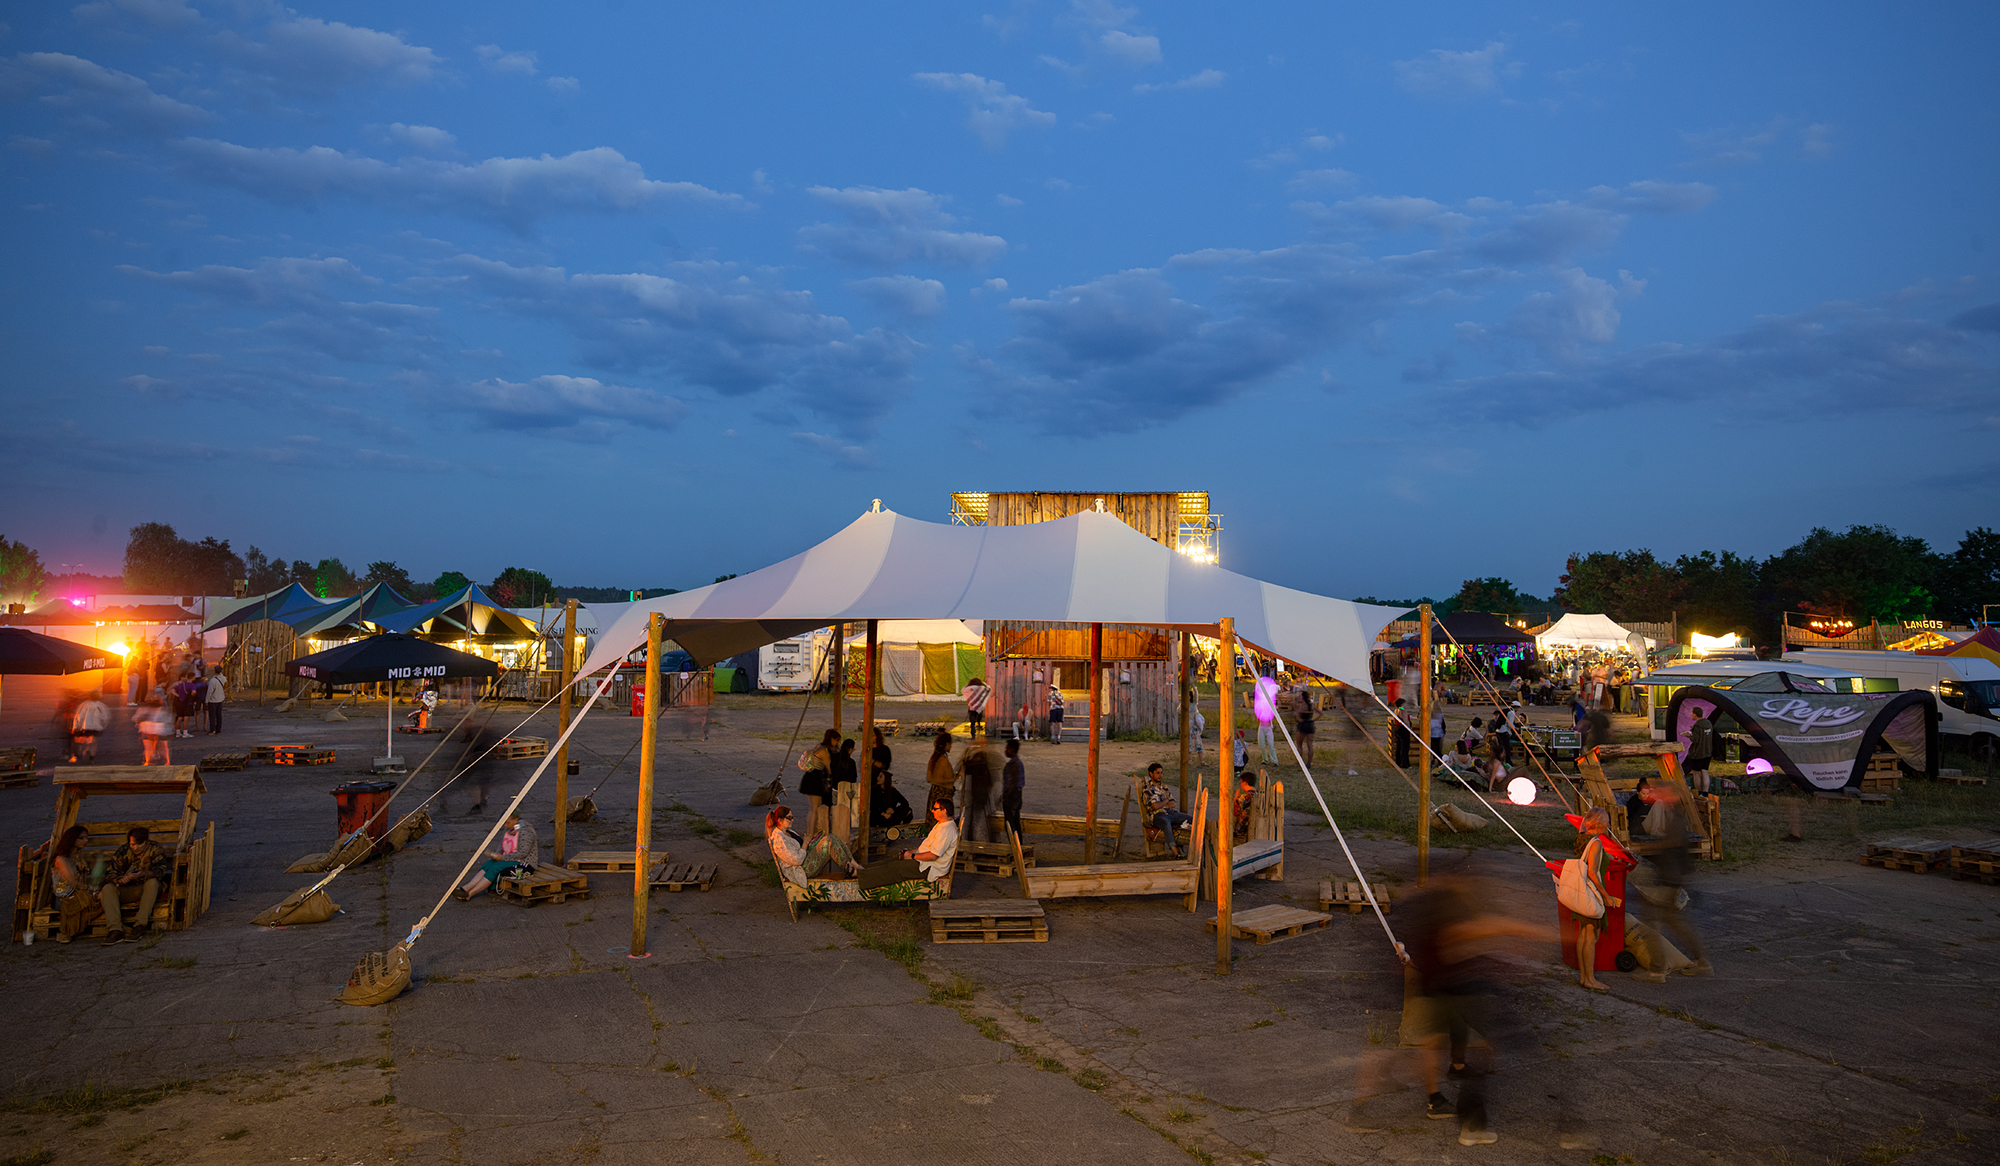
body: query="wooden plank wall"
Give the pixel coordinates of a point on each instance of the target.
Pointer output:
(1071, 641)
(1157, 516)
(1150, 701)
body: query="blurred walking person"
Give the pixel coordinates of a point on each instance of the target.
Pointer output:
(86, 724)
(156, 730)
(1670, 819)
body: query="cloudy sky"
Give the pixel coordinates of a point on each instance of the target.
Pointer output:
(639, 293)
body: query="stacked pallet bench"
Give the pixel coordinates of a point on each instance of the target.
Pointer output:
(679, 876)
(1976, 860)
(991, 858)
(268, 753)
(520, 748)
(289, 756)
(988, 921)
(1174, 877)
(548, 884)
(1265, 924)
(1913, 854)
(191, 851)
(1953, 777)
(223, 762)
(17, 769)
(604, 861)
(1348, 893)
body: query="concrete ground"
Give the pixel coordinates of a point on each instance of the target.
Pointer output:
(1848, 1020)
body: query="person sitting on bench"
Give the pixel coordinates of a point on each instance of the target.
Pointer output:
(930, 861)
(887, 806)
(1246, 793)
(519, 847)
(137, 870)
(799, 860)
(1160, 811)
(76, 907)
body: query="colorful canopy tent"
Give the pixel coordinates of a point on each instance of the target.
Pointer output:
(1984, 642)
(467, 613)
(1087, 568)
(306, 613)
(933, 656)
(1584, 631)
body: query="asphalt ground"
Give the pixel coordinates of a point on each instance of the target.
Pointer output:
(1850, 1020)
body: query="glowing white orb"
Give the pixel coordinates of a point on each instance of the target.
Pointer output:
(1755, 766)
(1521, 792)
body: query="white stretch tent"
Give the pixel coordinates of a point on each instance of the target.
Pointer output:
(922, 631)
(1584, 631)
(1087, 568)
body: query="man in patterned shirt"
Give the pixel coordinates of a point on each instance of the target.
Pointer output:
(137, 870)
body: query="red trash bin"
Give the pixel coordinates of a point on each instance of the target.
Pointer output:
(638, 700)
(356, 802)
(1611, 953)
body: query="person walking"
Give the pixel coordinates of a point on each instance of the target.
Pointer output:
(938, 771)
(1013, 781)
(1308, 724)
(1700, 749)
(86, 725)
(976, 696)
(1055, 713)
(1437, 730)
(1399, 735)
(1669, 819)
(216, 695)
(156, 729)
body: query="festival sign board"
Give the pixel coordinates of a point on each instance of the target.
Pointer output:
(1823, 740)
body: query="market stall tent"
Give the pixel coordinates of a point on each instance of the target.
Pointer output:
(922, 655)
(1584, 631)
(1984, 642)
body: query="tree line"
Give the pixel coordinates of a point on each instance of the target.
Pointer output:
(159, 561)
(1862, 573)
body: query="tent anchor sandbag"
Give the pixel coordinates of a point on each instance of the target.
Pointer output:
(378, 978)
(305, 905)
(414, 825)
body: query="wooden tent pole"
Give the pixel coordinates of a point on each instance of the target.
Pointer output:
(839, 677)
(1186, 718)
(562, 718)
(1225, 827)
(648, 742)
(1090, 764)
(867, 776)
(1424, 755)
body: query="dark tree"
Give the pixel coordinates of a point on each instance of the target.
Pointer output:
(520, 587)
(1489, 594)
(389, 573)
(449, 583)
(21, 573)
(1632, 585)
(1863, 573)
(331, 577)
(1719, 594)
(158, 561)
(1969, 578)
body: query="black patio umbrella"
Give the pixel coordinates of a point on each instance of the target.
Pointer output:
(389, 657)
(26, 653)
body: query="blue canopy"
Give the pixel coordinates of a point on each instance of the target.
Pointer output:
(304, 612)
(468, 610)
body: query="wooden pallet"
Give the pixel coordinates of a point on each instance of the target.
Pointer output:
(679, 876)
(929, 728)
(1265, 924)
(1846, 795)
(19, 779)
(517, 748)
(991, 858)
(549, 884)
(15, 763)
(412, 729)
(1960, 779)
(605, 861)
(1347, 893)
(1912, 854)
(888, 727)
(267, 752)
(302, 757)
(223, 762)
(988, 921)
(1976, 860)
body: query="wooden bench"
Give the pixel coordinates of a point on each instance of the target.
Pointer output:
(1960, 779)
(604, 861)
(548, 884)
(1177, 877)
(680, 876)
(191, 853)
(888, 727)
(1600, 791)
(988, 921)
(1348, 893)
(1265, 924)
(826, 892)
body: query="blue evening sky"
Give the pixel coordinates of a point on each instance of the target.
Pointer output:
(639, 293)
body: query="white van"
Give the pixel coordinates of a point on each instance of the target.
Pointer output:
(1967, 687)
(794, 664)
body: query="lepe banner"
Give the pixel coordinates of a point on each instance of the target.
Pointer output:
(1823, 740)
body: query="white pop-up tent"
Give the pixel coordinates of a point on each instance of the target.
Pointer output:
(1087, 568)
(1584, 631)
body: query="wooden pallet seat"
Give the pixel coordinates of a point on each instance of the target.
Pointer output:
(988, 921)
(191, 849)
(1264, 924)
(547, 884)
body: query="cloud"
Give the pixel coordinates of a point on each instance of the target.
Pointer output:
(1006, 200)
(307, 56)
(1308, 181)
(904, 294)
(1985, 318)
(710, 326)
(888, 228)
(564, 84)
(429, 139)
(1444, 73)
(1659, 198)
(994, 112)
(1499, 232)
(165, 15)
(499, 60)
(847, 457)
(514, 191)
(1402, 212)
(1817, 141)
(1731, 145)
(1841, 357)
(1100, 13)
(40, 149)
(1206, 79)
(561, 402)
(1582, 310)
(92, 98)
(315, 316)
(1133, 50)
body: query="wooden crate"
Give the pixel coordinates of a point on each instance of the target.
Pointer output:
(17, 779)
(1912, 854)
(1347, 893)
(991, 858)
(223, 762)
(302, 757)
(17, 762)
(266, 752)
(181, 901)
(517, 748)
(1265, 924)
(888, 727)
(549, 884)
(605, 861)
(414, 730)
(1976, 860)
(679, 876)
(988, 921)
(929, 728)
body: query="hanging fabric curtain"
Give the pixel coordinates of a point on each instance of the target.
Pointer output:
(902, 671)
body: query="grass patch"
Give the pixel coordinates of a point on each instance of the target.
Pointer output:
(893, 933)
(88, 1120)
(1049, 1065)
(741, 837)
(1093, 1079)
(176, 962)
(39, 1156)
(767, 873)
(960, 987)
(91, 1097)
(1180, 1114)
(233, 1135)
